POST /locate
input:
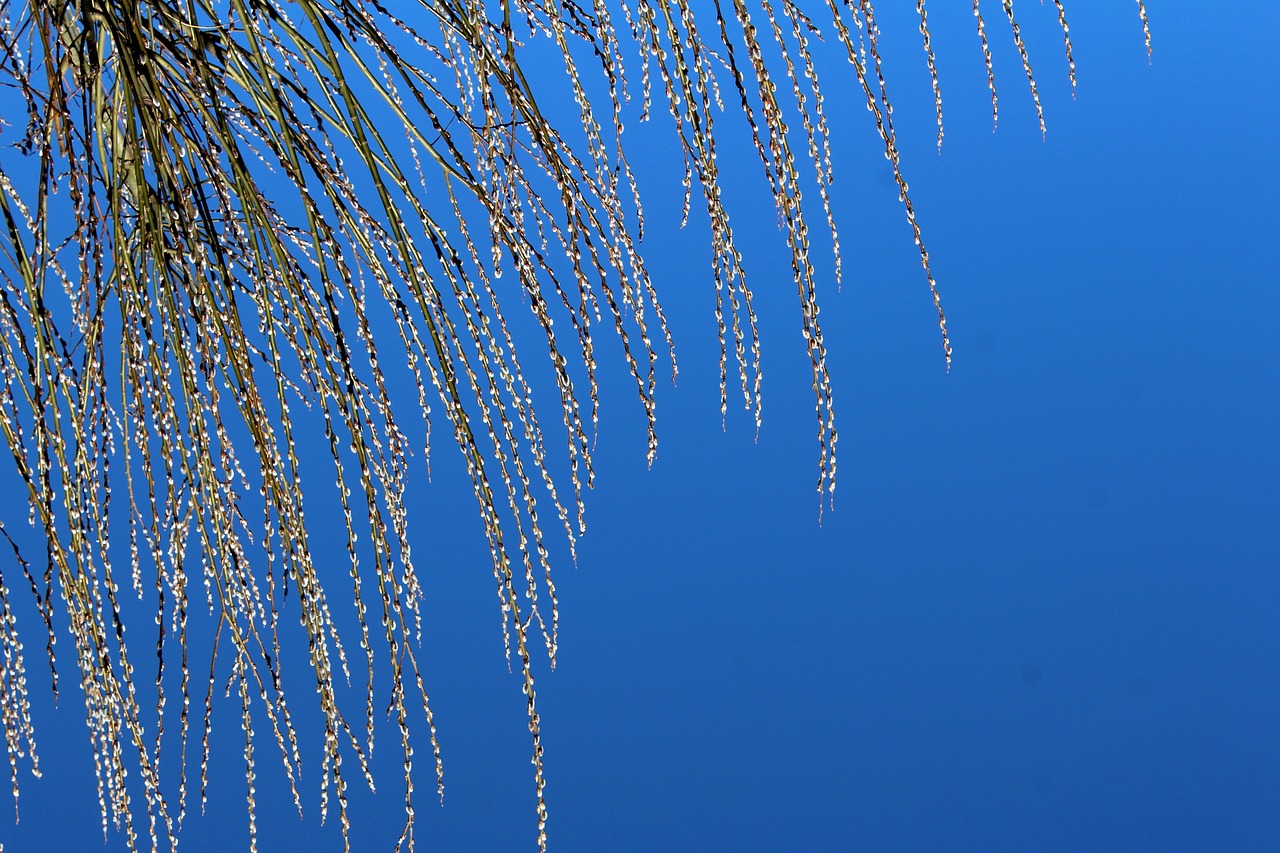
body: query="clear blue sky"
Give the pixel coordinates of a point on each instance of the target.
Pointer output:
(1045, 613)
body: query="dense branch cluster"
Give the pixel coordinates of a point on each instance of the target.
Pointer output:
(218, 218)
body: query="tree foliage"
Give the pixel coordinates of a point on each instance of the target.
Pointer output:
(227, 223)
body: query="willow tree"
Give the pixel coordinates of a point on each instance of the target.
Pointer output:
(225, 223)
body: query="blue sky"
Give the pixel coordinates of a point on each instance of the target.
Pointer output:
(1045, 612)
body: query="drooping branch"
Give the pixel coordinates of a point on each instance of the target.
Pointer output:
(230, 224)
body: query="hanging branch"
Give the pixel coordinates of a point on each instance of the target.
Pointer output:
(222, 218)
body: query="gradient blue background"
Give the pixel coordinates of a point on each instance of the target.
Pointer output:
(1045, 614)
